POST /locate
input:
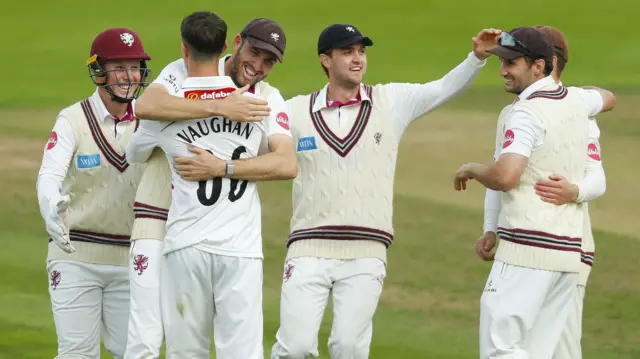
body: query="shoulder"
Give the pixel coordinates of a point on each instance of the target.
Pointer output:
(73, 113)
(298, 100)
(178, 66)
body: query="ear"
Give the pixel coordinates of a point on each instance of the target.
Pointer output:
(237, 40)
(538, 67)
(325, 60)
(224, 48)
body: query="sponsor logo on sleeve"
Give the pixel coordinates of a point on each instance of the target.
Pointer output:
(508, 139)
(283, 120)
(593, 152)
(53, 140)
(88, 161)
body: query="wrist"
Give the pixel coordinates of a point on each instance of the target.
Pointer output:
(574, 193)
(229, 169)
(215, 108)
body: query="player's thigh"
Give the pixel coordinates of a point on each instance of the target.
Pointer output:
(237, 292)
(509, 306)
(356, 292)
(115, 308)
(558, 316)
(76, 302)
(186, 298)
(306, 285)
(569, 345)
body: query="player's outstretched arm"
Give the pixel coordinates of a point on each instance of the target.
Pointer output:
(157, 104)
(278, 164)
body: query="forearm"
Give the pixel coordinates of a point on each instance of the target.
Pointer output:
(47, 188)
(159, 105)
(267, 167)
(592, 186)
(460, 78)
(492, 207)
(488, 176)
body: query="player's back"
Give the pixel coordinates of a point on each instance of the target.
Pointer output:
(220, 215)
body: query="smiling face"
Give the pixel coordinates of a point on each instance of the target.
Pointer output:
(519, 73)
(347, 65)
(123, 77)
(249, 64)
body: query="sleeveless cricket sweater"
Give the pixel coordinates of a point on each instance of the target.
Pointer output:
(101, 186)
(534, 233)
(343, 194)
(153, 198)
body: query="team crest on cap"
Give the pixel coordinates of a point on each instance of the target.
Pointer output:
(350, 28)
(275, 36)
(127, 38)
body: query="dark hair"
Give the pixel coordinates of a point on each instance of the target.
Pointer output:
(548, 66)
(204, 33)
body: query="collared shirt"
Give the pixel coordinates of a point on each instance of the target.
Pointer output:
(61, 146)
(409, 101)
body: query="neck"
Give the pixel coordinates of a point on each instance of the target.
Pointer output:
(555, 77)
(114, 108)
(336, 92)
(203, 68)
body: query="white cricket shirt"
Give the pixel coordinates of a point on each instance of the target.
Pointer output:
(221, 215)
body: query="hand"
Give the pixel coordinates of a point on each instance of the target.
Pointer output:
(201, 167)
(486, 39)
(241, 108)
(56, 223)
(557, 190)
(485, 245)
(461, 178)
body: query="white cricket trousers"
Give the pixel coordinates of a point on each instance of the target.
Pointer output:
(145, 318)
(203, 292)
(569, 345)
(86, 297)
(523, 311)
(307, 282)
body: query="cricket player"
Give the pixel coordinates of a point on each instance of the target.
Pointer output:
(347, 136)
(212, 272)
(86, 190)
(542, 135)
(154, 195)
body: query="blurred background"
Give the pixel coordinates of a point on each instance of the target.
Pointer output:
(430, 303)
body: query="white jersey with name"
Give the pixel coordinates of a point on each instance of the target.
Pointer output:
(221, 215)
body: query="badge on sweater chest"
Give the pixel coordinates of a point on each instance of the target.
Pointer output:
(87, 161)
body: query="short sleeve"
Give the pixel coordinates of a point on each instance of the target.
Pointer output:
(523, 132)
(278, 121)
(172, 76)
(592, 99)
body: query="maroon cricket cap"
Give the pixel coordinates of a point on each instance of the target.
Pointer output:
(267, 35)
(118, 44)
(524, 41)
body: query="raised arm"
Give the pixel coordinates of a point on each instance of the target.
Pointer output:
(412, 101)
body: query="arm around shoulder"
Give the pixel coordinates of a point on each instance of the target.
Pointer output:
(608, 98)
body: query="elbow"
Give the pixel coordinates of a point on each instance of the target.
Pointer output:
(289, 171)
(609, 101)
(506, 183)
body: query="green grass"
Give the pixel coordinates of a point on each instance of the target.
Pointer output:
(429, 307)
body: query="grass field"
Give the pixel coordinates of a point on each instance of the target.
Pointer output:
(430, 304)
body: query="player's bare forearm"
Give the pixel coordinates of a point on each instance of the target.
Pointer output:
(267, 167)
(503, 175)
(158, 105)
(488, 175)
